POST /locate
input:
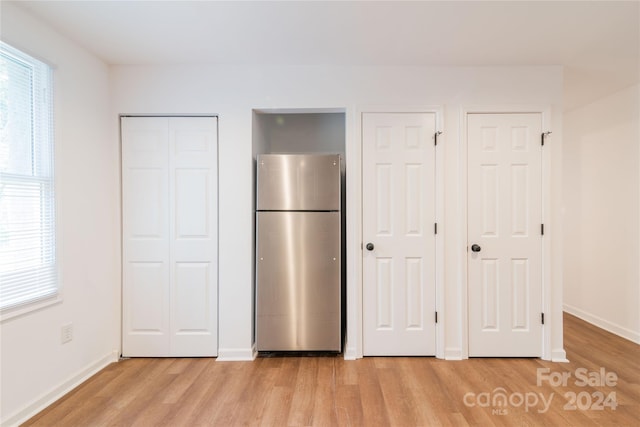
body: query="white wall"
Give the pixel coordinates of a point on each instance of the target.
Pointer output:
(35, 366)
(602, 191)
(233, 92)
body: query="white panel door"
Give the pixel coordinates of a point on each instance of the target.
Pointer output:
(504, 234)
(398, 156)
(169, 185)
(193, 193)
(145, 228)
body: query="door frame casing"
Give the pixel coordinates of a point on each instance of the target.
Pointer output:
(545, 112)
(356, 351)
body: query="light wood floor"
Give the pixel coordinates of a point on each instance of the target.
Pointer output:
(374, 391)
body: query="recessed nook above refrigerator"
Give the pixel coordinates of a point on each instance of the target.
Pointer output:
(298, 131)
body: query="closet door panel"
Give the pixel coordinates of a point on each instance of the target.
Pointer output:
(194, 243)
(145, 236)
(169, 189)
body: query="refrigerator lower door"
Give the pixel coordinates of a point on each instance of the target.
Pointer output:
(298, 281)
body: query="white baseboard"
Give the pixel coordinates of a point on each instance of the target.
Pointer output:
(559, 356)
(453, 353)
(350, 353)
(237, 354)
(621, 331)
(57, 392)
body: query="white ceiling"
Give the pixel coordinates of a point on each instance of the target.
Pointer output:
(598, 42)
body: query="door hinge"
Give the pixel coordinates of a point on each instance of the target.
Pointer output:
(542, 318)
(436, 317)
(542, 229)
(543, 136)
(435, 228)
(435, 137)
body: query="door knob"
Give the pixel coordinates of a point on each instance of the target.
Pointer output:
(369, 246)
(475, 248)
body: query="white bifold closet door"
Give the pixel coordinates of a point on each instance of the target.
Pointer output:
(170, 236)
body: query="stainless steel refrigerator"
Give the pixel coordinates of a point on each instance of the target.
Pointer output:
(298, 252)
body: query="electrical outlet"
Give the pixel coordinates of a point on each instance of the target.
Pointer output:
(66, 333)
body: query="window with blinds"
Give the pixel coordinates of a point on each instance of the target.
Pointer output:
(28, 269)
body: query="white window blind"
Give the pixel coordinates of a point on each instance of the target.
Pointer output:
(28, 270)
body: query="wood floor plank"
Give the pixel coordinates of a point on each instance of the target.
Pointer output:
(186, 407)
(348, 407)
(346, 373)
(263, 375)
(277, 408)
(395, 393)
(443, 394)
(327, 403)
(373, 391)
(304, 393)
(227, 403)
(375, 412)
(424, 399)
(220, 380)
(145, 394)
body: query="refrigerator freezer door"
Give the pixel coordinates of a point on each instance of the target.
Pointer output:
(296, 182)
(298, 281)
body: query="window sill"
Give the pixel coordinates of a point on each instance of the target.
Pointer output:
(21, 310)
